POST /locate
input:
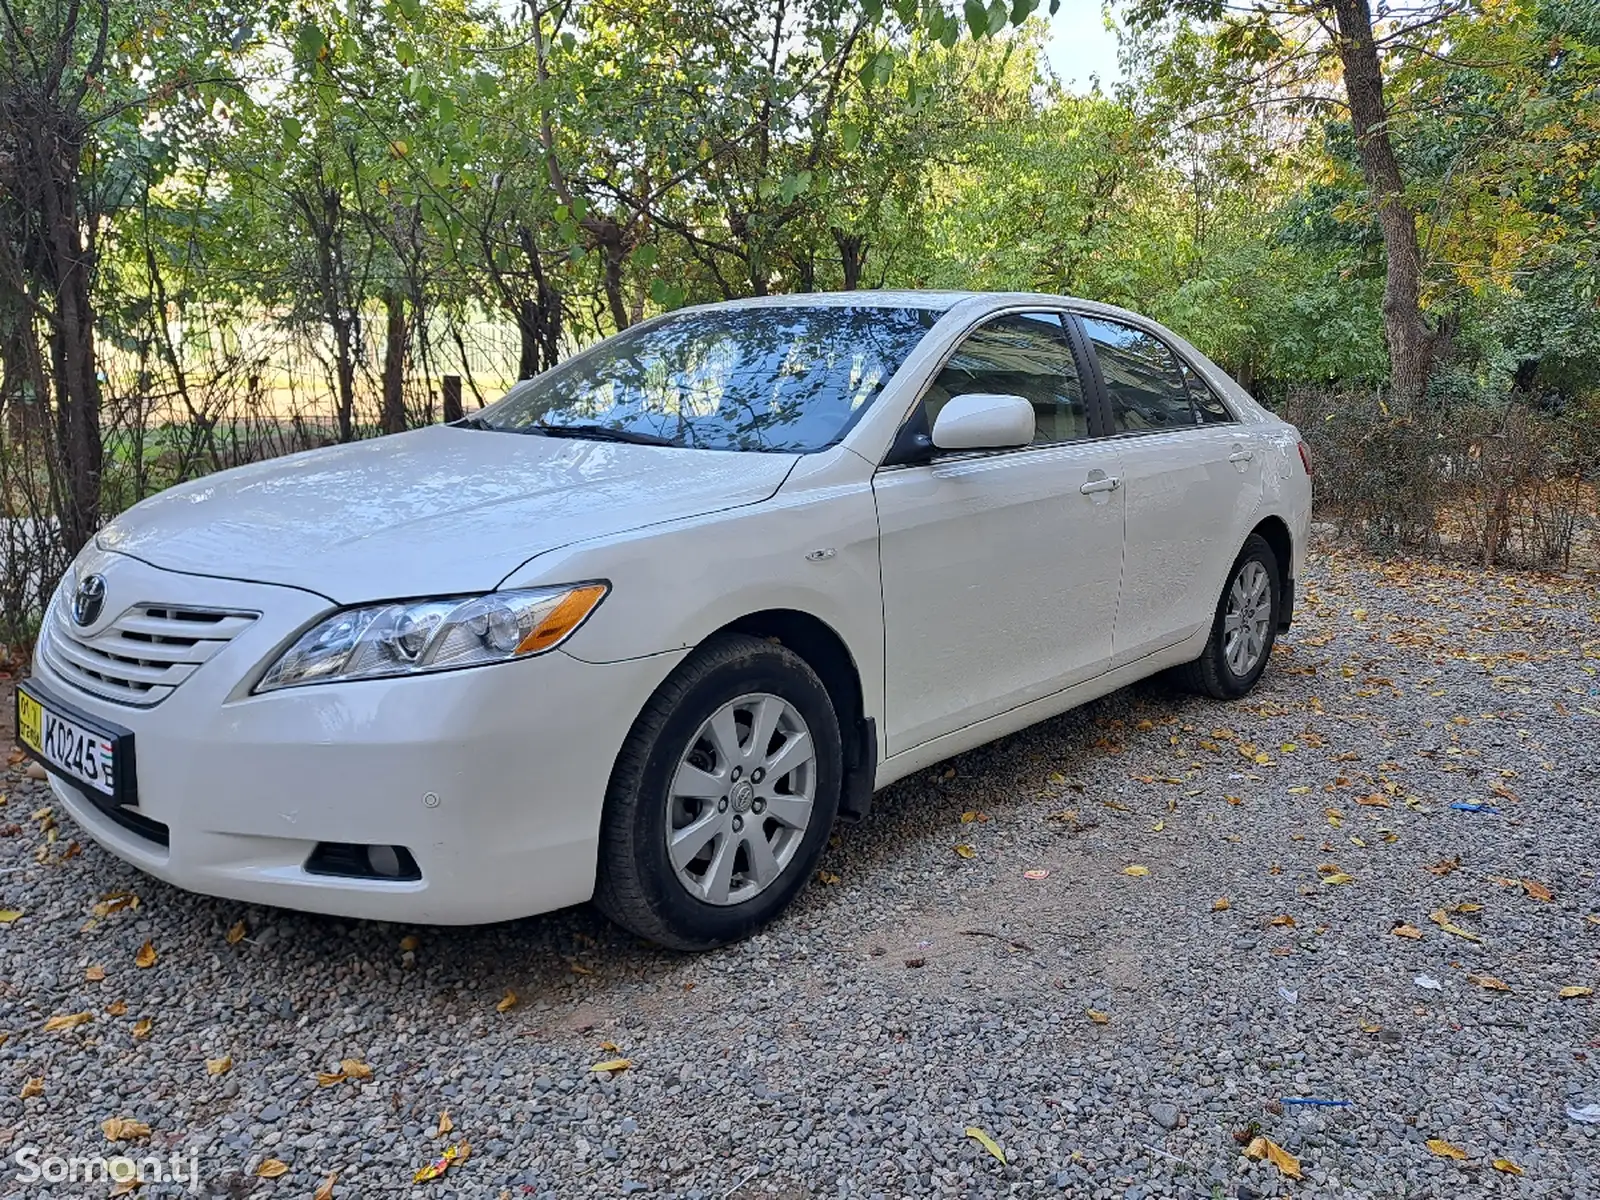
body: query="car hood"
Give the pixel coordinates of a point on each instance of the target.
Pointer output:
(438, 510)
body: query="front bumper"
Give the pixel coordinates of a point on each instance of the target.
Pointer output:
(493, 777)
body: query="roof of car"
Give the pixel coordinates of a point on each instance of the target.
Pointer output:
(887, 298)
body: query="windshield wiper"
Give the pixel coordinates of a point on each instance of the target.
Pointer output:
(600, 433)
(474, 423)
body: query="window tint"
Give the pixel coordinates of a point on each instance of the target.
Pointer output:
(1208, 406)
(1143, 381)
(1027, 355)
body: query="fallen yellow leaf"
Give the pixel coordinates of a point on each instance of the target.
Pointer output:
(1407, 931)
(142, 1027)
(354, 1068)
(827, 877)
(34, 1087)
(95, 973)
(329, 1078)
(235, 933)
(8, 915)
(146, 957)
(1444, 1149)
(1437, 916)
(1575, 992)
(1136, 871)
(1339, 877)
(1537, 890)
(1220, 904)
(1506, 1166)
(613, 1064)
(272, 1168)
(987, 1142)
(1286, 1163)
(1285, 921)
(507, 1002)
(967, 818)
(122, 1129)
(965, 851)
(1375, 800)
(1158, 827)
(67, 1021)
(1098, 1017)
(409, 943)
(219, 1066)
(446, 1125)
(325, 1190)
(1489, 982)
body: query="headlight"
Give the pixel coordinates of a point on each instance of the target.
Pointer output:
(412, 637)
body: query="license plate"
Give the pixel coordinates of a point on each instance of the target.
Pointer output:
(81, 749)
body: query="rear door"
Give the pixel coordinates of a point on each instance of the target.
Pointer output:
(1191, 475)
(1000, 567)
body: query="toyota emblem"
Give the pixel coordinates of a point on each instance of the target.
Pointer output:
(89, 599)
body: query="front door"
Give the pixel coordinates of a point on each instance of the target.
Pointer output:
(1000, 573)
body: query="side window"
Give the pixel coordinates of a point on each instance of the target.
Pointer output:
(1208, 406)
(1143, 380)
(1027, 355)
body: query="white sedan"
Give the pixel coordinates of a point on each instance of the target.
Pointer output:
(645, 628)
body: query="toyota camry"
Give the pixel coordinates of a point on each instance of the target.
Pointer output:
(646, 627)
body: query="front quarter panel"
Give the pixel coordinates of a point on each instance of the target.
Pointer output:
(813, 548)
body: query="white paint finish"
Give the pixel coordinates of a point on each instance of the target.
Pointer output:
(999, 583)
(1188, 511)
(975, 596)
(1023, 715)
(984, 421)
(518, 755)
(674, 585)
(433, 511)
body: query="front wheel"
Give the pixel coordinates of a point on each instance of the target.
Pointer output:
(722, 798)
(1243, 628)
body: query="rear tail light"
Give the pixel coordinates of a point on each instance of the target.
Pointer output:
(1305, 459)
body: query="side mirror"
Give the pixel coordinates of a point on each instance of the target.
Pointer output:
(984, 421)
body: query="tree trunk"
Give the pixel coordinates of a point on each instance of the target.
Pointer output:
(1411, 343)
(345, 377)
(615, 251)
(852, 257)
(396, 339)
(72, 352)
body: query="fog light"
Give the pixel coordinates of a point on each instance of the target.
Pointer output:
(384, 861)
(359, 861)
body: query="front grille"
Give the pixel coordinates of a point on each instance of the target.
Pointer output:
(142, 656)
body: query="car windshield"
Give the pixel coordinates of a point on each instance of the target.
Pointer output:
(788, 378)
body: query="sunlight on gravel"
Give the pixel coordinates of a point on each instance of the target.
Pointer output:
(1358, 960)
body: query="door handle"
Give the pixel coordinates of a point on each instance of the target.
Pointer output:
(1103, 484)
(1241, 455)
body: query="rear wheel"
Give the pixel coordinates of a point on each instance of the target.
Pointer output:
(1244, 627)
(722, 798)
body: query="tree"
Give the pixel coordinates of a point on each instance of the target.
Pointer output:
(1275, 53)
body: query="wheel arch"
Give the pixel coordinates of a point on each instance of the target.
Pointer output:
(826, 653)
(1274, 530)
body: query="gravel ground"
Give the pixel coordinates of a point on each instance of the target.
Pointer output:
(1114, 1034)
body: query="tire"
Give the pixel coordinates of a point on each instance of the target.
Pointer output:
(673, 750)
(1216, 673)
